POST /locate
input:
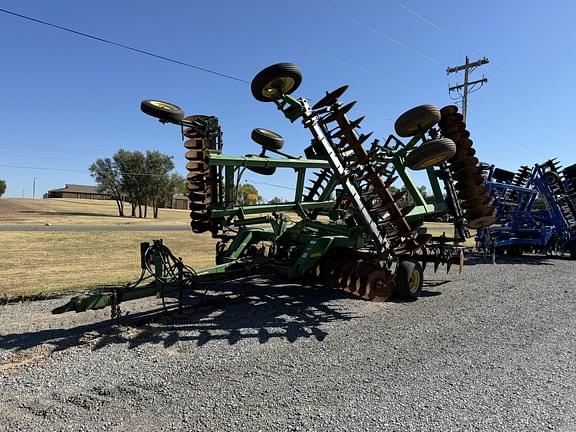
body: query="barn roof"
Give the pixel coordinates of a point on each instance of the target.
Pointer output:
(74, 188)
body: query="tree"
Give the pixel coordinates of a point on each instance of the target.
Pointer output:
(2, 187)
(247, 194)
(407, 198)
(143, 179)
(276, 200)
(132, 170)
(158, 182)
(179, 183)
(176, 184)
(428, 198)
(107, 176)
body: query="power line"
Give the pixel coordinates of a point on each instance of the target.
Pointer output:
(430, 23)
(271, 184)
(42, 168)
(530, 102)
(378, 32)
(76, 170)
(467, 67)
(402, 17)
(506, 134)
(121, 45)
(130, 174)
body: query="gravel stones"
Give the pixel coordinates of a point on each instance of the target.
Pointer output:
(491, 349)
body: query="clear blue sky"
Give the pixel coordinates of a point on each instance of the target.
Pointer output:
(67, 100)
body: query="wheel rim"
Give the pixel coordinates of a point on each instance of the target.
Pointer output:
(275, 89)
(549, 179)
(414, 281)
(268, 133)
(435, 160)
(163, 105)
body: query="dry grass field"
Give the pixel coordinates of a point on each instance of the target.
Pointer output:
(48, 262)
(79, 212)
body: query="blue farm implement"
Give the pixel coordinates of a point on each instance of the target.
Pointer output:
(535, 210)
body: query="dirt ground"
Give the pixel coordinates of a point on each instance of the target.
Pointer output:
(488, 350)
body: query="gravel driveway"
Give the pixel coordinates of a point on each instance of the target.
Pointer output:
(492, 349)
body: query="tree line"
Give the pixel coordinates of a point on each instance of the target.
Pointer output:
(141, 179)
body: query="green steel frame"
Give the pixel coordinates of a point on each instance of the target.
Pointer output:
(304, 242)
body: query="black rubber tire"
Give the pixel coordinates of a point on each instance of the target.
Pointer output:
(261, 170)
(570, 171)
(571, 247)
(162, 110)
(550, 178)
(431, 153)
(500, 250)
(409, 279)
(268, 139)
(274, 81)
(515, 250)
(199, 227)
(416, 120)
(502, 175)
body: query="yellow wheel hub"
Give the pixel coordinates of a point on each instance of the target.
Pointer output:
(163, 105)
(435, 160)
(414, 281)
(278, 87)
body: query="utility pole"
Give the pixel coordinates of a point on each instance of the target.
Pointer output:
(467, 67)
(34, 188)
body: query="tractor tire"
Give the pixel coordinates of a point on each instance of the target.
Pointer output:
(431, 153)
(418, 119)
(551, 178)
(502, 175)
(162, 110)
(261, 170)
(409, 279)
(276, 80)
(572, 249)
(570, 172)
(515, 250)
(267, 139)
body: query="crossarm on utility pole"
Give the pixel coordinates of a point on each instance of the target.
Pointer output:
(471, 83)
(469, 65)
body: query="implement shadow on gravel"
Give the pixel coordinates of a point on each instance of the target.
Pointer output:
(258, 312)
(254, 311)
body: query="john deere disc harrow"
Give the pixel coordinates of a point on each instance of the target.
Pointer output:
(198, 178)
(370, 244)
(465, 170)
(376, 206)
(365, 180)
